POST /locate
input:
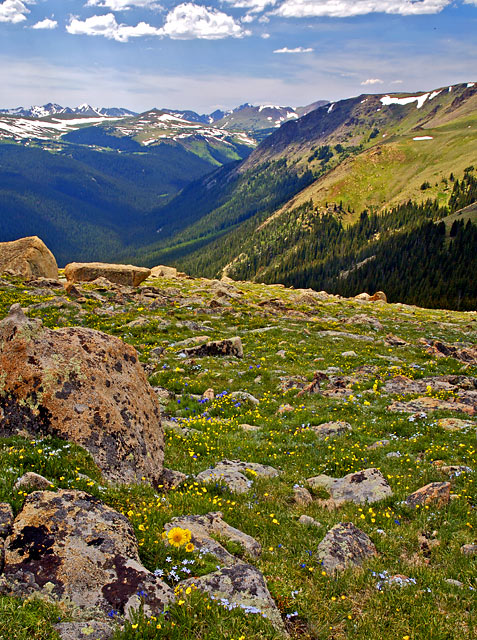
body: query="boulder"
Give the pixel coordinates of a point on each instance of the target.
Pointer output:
(309, 521)
(231, 473)
(162, 271)
(363, 296)
(331, 429)
(227, 347)
(28, 258)
(302, 496)
(469, 549)
(170, 478)
(427, 403)
(6, 519)
(83, 386)
(437, 493)
(343, 547)
(32, 480)
(454, 424)
(126, 274)
(92, 629)
(364, 486)
(379, 296)
(85, 550)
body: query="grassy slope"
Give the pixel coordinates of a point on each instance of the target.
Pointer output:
(321, 607)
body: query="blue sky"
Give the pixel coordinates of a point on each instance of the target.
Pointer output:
(204, 55)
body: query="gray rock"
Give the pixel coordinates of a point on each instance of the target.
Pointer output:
(469, 549)
(393, 454)
(231, 473)
(243, 395)
(308, 520)
(349, 354)
(454, 583)
(331, 429)
(249, 427)
(344, 334)
(363, 486)
(344, 546)
(433, 493)
(228, 347)
(302, 496)
(32, 480)
(171, 478)
(91, 630)
(6, 519)
(378, 444)
(84, 549)
(240, 586)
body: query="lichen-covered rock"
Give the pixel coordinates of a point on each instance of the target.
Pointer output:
(28, 258)
(309, 521)
(90, 630)
(454, 424)
(331, 429)
(426, 403)
(433, 493)
(126, 274)
(379, 296)
(302, 496)
(203, 527)
(227, 347)
(231, 473)
(83, 386)
(170, 478)
(241, 585)
(469, 549)
(32, 480)
(6, 519)
(85, 550)
(363, 486)
(344, 546)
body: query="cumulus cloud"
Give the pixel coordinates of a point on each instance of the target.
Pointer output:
(350, 8)
(13, 11)
(188, 21)
(372, 81)
(297, 50)
(123, 5)
(252, 5)
(107, 27)
(45, 24)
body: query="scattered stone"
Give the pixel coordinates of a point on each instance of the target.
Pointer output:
(454, 424)
(344, 334)
(170, 479)
(363, 296)
(331, 429)
(469, 549)
(394, 341)
(208, 394)
(379, 296)
(161, 271)
(228, 347)
(212, 524)
(6, 519)
(361, 318)
(243, 395)
(71, 290)
(426, 403)
(308, 520)
(85, 549)
(285, 408)
(314, 385)
(231, 473)
(454, 470)
(90, 630)
(84, 386)
(349, 354)
(302, 496)
(393, 454)
(28, 258)
(249, 427)
(364, 486)
(126, 274)
(443, 350)
(434, 492)
(344, 546)
(378, 444)
(31, 480)
(241, 585)
(454, 583)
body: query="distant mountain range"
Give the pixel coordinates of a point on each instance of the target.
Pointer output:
(52, 109)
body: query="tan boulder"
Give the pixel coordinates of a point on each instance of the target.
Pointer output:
(433, 493)
(379, 296)
(126, 274)
(162, 271)
(84, 386)
(28, 258)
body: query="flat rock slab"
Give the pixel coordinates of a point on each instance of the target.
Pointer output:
(240, 586)
(231, 473)
(331, 429)
(28, 258)
(343, 547)
(437, 493)
(203, 527)
(345, 335)
(85, 549)
(454, 424)
(90, 630)
(83, 386)
(126, 274)
(443, 350)
(228, 347)
(363, 486)
(426, 403)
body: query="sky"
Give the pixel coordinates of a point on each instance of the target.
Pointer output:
(209, 54)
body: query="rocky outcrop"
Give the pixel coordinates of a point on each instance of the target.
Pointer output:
(343, 547)
(437, 493)
(231, 473)
(28, 258)
(227, 347)
(83, 549)
(364, 486)
(125, 274)
(83, 386)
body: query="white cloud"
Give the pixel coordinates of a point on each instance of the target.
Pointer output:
(45, 24)
(396, 82)
(123, 5)
(107, 27)
(188, 21)
(252, 5)
(297, 50)
(372, 81)
(13, 11)
(470, 2)
(265, 36)
(350, 8)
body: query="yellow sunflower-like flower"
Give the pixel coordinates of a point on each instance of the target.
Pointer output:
(178, 537)
(189, 547)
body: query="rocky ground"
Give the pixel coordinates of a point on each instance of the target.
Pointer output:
(319, 452)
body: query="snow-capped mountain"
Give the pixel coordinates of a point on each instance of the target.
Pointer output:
(52, 108)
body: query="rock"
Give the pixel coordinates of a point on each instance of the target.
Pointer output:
(364, 486)
(426, 403)
(331, 429)
(308, 520)
(347, 335)
(344, 546)
(84, 386)
(208, 394)
(379, 296)
(394, 341)
(170, 479)
(126, 274)
(90, 630)
(249, 427)
(433, 493)
(243, 395)
(284, 408)
(363, 296)
(454, 470)
(31, 480)
(6, 519)
(454, 583)
(231, 473)
(211, 524)
(378, 444)
(361, 318)
(443, 350)
(393, 454)
(349, 354)
(302, 496)
(469, 549)
(228, 347)
(84, 549)
(161, 271)
(28, 258)
(241, 585)
(454, 424)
